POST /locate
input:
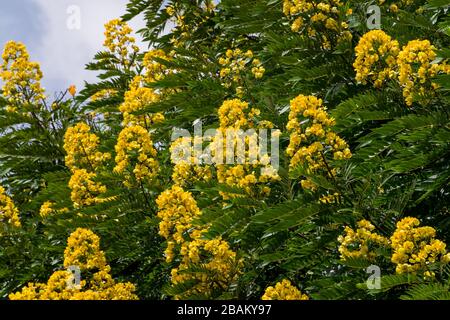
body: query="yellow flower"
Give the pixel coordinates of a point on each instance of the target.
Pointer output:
(252, 168)
(309, 139)
(311, 17)
(119, 42)
(235, 64)
(81, 148)
(85, 190)
(135, 99)
(155, 71)
(330, 198)
(21, 79)
(177, 211)
(9, 214)
(416, 247)
(72, 90)
(187, 167)
(416, 67)
(46, 209)
(170, 10)
(135, 152)
(283, 290)
(82, 251)
(103, 94)
(376, 55)
(359, 243)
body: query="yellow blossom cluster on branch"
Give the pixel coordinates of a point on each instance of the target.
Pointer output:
(118, 41)
(137, 98)
(177, 211)
(236, 149)
(83, 159)
(85, 190)
(415, 248)
(48, 208)
(9, 214)
(235, 66)
(362, 242)
(82, 252)
(376, 55)
(103, 94)
(155, 70)
(187, 23)
(323, 21)
(283, 290)
(311, 138)
(216, 257)
(330, 198)
(81, 148)
(188, 168)
(21, 79)
(135, 155)
(416, 66)
(379, 58)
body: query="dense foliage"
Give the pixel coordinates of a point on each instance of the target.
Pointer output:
(362, 115)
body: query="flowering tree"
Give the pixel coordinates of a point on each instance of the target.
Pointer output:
(360, 118)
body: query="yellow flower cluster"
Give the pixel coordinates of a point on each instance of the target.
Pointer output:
(322, 21)
(187, 168)
(376, 56)
(9, 214)
(119, 42)
(251, 170)
(81, 148)
(361, 242)
(416, 247)
(48, 207)
(82, 251)
(283, 290)
(235, 64)
(330, 198)
(21, 79)
(135, 99)
(215, 256)
(177, 211)
(83, 159)
(103, 94)
(85, 191)
(187, 23)
(311, 137)
(236, 114)
(134, 150)
(155, 71)
(416, 67)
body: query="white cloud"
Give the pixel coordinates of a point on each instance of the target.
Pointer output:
(63, 52)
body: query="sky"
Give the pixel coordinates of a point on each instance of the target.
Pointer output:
(62, 35)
